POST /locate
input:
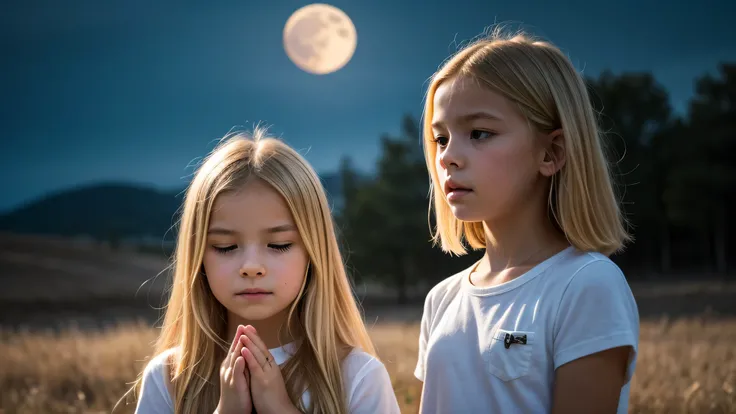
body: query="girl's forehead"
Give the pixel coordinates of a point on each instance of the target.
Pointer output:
(463, 98)
(257, 207)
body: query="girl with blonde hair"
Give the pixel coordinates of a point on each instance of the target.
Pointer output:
(544, 321)
(261, 316)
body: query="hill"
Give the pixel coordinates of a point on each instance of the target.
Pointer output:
(116, 212)
(107, 211)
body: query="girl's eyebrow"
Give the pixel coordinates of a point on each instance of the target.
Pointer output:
(228, 232)
(471, 117)
(480, 115)
(222, 231)
(282, 228)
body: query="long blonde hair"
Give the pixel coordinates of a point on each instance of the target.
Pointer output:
(544, 85)
(327, 317)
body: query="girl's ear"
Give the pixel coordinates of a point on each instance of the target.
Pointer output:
(554, 155)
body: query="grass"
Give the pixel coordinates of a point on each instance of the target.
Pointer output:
(687, 365)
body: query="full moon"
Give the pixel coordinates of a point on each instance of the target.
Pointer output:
(320, 38)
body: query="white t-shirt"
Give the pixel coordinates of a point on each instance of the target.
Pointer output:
(365, 379)
(571, 305)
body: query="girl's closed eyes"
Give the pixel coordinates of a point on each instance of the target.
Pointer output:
(280, 247)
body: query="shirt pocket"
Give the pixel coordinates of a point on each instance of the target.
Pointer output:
(510, 353)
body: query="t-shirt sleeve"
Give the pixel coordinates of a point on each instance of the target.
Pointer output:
(423, 337)
(373, 392)
(597, 312)
(154, 397)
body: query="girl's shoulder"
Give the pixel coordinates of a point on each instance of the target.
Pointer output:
(588, 269)
(163, 361)
(448, 286)
(357, 364)
(367, 384)
(155, 390)
(157, 373)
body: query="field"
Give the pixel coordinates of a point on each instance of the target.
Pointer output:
(687, 358)
(686, 366)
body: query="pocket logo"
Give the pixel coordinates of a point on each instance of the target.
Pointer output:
(510, 339)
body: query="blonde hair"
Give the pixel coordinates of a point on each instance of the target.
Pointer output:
(328, 319)
(542, 82)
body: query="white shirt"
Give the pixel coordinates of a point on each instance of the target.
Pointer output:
(571, 305)
(365, 379)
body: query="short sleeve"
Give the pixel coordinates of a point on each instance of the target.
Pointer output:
(423, 338)
(373, 391)
(597, 312)
(154, 397)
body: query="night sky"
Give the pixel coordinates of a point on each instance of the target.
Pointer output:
(97, 91)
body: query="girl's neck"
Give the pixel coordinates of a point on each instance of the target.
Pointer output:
(516, 243)
(268, 329)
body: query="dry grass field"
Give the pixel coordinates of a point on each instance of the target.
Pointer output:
(685, 366)
(687, 360)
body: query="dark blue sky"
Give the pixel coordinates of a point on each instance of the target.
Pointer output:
(137, 90)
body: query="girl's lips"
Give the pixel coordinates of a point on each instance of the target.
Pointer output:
(255, 296)
(457, 194)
